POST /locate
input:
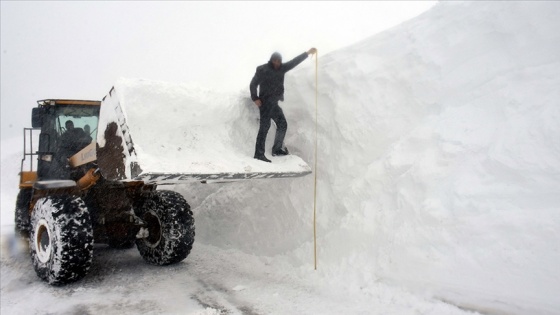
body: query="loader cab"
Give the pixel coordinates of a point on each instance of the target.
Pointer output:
(67, 126)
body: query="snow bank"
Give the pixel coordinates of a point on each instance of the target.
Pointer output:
(438, 162)
(12, 153)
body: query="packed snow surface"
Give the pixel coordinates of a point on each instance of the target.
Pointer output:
(438, 172)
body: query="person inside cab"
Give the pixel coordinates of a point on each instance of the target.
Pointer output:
(73, 139)
(87, 131)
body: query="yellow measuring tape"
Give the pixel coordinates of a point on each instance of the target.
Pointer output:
(315, 183)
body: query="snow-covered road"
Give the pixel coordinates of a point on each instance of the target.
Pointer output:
(209, 281)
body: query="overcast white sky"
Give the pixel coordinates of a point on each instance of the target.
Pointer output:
(78, 49)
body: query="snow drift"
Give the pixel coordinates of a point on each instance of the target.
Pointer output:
(438, 162)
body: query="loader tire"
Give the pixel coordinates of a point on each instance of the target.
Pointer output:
(61, 239)
(22, 212)
(170, 224)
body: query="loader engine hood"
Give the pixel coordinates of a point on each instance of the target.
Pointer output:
(167, 133)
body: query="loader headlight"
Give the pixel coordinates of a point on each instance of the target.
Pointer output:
(46, 157)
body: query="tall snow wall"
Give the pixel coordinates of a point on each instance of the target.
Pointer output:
(438, 162)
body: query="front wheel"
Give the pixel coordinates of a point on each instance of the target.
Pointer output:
(170, 224)
(61, 239)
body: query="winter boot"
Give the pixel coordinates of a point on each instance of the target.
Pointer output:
(262, 158)
(280, 152)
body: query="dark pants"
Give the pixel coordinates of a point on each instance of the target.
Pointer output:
(271, 110)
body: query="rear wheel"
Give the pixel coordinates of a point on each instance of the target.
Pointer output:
(22, 212)
(170, 224)
(61, 239)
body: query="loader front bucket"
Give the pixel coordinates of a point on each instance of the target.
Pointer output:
(170, 133)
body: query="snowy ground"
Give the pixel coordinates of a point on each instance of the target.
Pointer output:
(438, 174)
(211, 281)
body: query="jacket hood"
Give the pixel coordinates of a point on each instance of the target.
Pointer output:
(276, 55)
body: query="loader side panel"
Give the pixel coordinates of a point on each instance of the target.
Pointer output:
(116, 155)
(27, 179)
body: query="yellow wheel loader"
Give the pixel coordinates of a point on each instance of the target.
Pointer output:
(83, 183)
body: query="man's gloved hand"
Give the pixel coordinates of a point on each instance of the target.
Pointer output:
(258, 103)
(312, 51)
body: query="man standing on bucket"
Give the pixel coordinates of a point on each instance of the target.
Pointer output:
(270, 80)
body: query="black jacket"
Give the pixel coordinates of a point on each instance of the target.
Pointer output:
(271, 81)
